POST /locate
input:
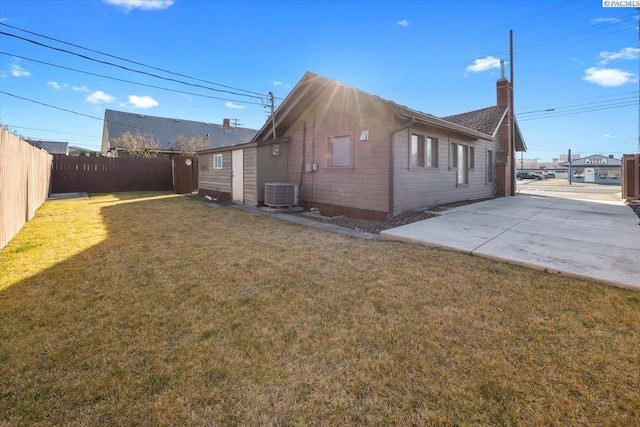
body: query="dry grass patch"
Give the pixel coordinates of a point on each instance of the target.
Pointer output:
(184, 315)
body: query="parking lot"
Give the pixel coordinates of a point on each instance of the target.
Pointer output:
(559, 187)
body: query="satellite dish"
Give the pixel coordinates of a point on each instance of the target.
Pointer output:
(188, 162)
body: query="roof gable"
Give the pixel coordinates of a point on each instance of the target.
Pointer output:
(310, 87)
(165, 130)
(485, 120)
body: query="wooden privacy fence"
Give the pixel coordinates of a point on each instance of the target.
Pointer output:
(631, 176)
(185, 174)
(109, 174)
(25, 172)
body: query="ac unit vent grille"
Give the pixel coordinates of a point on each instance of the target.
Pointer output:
(280, 194)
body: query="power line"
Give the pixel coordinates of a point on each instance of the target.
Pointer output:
(588, 104)
(50, 106)
(128, 60)
(127, 81)
(137, 128)
(580, 111)
(127, 68)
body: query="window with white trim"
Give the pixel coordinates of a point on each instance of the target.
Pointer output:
(423, 151)
(217, 161)
(463, 164)
(340, 151)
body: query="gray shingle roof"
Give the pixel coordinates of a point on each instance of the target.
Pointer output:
(165, 130)
(51, 147)
(485, 120)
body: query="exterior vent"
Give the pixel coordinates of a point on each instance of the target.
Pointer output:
(280, 194)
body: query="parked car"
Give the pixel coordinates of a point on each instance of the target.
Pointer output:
(527, 175)
(542, 175)
(551, 175)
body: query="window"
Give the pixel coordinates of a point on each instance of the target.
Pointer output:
(454, 155)
(424, 151)
(489, 166)
(217, 161)
(606, 173)
(417, 150)
(462, 157)
(463, 164)
(340, 150)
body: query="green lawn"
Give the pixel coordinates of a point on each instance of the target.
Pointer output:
(152, 309)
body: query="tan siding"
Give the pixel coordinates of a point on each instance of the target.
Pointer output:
(250, 176)
(215, 179)
(415, 188)
(272, 168)
(365, 184)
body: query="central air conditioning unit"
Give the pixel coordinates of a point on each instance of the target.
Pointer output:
(280, 194)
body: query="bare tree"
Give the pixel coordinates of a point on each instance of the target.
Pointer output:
(137, 145)
(189, 145)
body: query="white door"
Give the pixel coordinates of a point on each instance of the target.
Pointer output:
(589, 175)
(237, 176)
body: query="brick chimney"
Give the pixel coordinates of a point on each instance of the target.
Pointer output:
(226, 124)
(503, 89)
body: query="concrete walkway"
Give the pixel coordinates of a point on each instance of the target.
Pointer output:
(599, 241)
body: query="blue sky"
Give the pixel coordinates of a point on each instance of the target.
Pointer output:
(575, 58)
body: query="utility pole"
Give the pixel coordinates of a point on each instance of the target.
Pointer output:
(512, 118)
(273, 116)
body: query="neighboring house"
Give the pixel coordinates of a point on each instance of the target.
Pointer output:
(357, 154)
(51, 147)
(79, 151)
(597, 168)
(165, 131)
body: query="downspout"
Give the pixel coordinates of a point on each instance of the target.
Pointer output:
(304, 143)
(392, 163)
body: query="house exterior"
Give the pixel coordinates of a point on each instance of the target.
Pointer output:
(352, 153)
(165, 131)
(597, 169)
(52, 147)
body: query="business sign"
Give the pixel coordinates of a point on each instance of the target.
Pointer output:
(600, 161)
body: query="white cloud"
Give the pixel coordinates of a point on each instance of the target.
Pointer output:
(142, 101)
(99, 96)
(608, 77)
(626, 53)
(56, 85)
(403, 23)
(484, 64)
(603, 20)
(234, 106)
(128, 5)
(277, 83)
(80, 89)
(18, 71)
(609, 136)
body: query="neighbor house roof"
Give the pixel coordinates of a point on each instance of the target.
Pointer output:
(165, 130)
(311, 85)
(51, 147)
(487, 120)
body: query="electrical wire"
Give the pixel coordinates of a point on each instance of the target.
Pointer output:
(128, 68)
(128, 81)
(137, 128)
(129, 60)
